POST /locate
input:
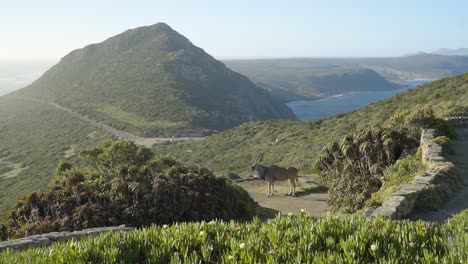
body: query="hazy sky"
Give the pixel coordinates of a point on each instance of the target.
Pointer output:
(265, 28)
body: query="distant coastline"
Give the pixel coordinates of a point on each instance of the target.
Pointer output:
(306, 110)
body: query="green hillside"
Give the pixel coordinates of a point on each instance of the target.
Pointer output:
(153, 81)
(33, 137)
(299, 143)
(297, 79)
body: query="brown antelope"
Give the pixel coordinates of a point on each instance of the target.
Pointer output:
(273, 173)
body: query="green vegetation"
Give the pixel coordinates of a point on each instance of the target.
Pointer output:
(153, 81)
(33, 138)
(285, 239)
(124, 185)
(446, 144)
(299, 143)
(396, 175)
(303, 79)
(353, 168)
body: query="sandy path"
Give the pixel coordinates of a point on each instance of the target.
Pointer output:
(313, 202)
(460, 201)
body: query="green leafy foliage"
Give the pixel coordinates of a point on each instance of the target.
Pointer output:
(285, 239)
(353, 168)
(125, 186)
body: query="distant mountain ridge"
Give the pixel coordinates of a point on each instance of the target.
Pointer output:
(153, 81)
(456, 52)
(303, 79)
(312, 78)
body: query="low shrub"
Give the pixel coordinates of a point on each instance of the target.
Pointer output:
(123, 188)
(285, 239)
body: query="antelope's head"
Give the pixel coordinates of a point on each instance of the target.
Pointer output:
(254, 166)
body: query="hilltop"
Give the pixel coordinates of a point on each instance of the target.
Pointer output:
(153, 81)
(296, 143)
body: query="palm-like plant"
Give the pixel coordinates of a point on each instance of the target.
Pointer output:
(353, 167)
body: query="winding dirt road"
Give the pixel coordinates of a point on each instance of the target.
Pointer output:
(147, 142)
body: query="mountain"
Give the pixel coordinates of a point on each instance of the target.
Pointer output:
(420, 66)
(303, 79)
(153, 81)
(457, 52)
(296, 143)
(312, 78)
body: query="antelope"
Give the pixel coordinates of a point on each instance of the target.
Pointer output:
(274, 173)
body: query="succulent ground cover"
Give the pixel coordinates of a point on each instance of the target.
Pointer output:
(284, 239)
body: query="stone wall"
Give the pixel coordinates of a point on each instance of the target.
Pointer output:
(49, 238)
(441, 178)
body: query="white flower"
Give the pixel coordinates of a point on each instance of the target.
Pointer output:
(411, 244)
(202, 233)
(373, 247)
(242, 245)
(302, 210)
(165, 226)
(290, 214)
(230, 257)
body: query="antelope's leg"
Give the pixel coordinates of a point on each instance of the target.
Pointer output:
(272, 188)
(269, 189)
(294, 187)
(290, 187)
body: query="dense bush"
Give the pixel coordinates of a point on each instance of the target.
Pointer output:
(354, 167)
(124, 186)
(285, 239)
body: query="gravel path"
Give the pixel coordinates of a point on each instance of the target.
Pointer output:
(460, 201)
